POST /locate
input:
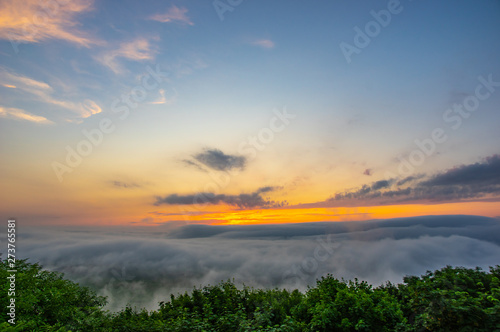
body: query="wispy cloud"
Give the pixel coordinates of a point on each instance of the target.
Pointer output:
(89, 107)
(33, 21)
(195, 165)
(174, 14)
(44, 93)
(163, 98)
(264, 43)
(136, 50)
(19, 114)
(124, 185)
(23, 82)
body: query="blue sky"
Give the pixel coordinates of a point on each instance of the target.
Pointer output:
(62, 67)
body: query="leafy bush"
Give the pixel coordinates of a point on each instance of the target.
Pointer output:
(453, 299)
(450, 299)
(46, 301)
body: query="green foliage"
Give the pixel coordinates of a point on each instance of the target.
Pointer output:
(45, 301)
(450, 299)
(226, 308)
(351, 306)
(453, 299)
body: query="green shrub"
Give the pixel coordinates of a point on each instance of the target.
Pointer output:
(450, 299)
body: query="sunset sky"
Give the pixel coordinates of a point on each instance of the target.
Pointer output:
(248, 112)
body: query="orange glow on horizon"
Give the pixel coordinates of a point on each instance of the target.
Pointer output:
(291, 215)
(143, 215)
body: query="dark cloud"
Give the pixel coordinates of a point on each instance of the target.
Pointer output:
(144, 265)
(464, 182)
(367, 172)
(251, 200)
(409, 179)
(371, 191)
(472, 182)
(218, 160)
(382, 184)
(486, 173)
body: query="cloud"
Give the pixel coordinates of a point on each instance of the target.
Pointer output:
(365, 191)
(264, 43)
(18, 114)
(174, 14)
(251, 200)
(218, 160)
(142, 266)
(136, 50)
(381, 184)
(475, 181)
(398, 228)
(124, 185)
(89, 107)
(44, 92)
(466, 182)
(485, 173)
(23, 82)
(195, 165)
(33, 21)
(367, 172)
(163, 99)
(410, 179)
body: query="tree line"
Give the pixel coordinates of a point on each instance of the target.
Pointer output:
(449, 299)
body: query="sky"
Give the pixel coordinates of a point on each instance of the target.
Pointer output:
(239, 112)
(156, 145)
